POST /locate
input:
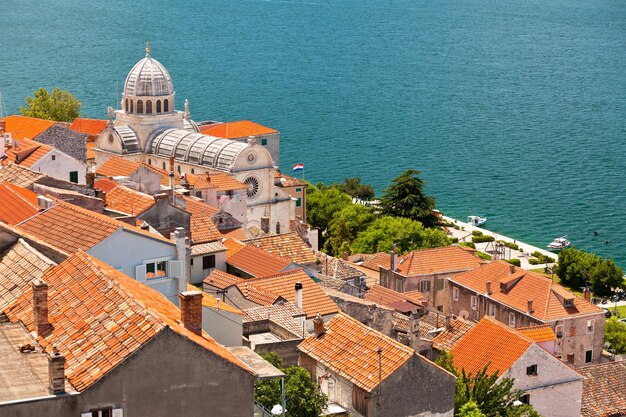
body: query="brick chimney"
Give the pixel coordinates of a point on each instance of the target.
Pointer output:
(586, 294)
(511, 269)
(530, 307)
(191, 311)
(488, 287)
(318, 326)
(56, 373)
(40, 306)
(298, 288)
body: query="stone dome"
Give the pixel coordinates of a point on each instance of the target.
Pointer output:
(148, 78)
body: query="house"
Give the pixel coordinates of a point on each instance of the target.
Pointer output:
(24, 127)
(145, 178)
(372, 375)
(331, 268)
(92, 128)
(250, 261)
(149, 258)
(604, 390)
(289, 246)
(66, 140)
(47, 160)
(522, 298)
(88, 340)
(426, 270)
(456, 329)
(549, 385)
(296, 189)
(18, 204)
(220, 320)
(400, 302)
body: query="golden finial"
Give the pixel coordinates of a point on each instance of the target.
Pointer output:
(147, 48)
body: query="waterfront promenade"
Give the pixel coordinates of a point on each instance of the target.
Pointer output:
(464, 234)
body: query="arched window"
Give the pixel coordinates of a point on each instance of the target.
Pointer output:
(149, 161)
(139, 107)
(158, 106)
(179, 169)
(126, 106)
(277, 228)
(166, 105)
(148, 106)
(132, 110)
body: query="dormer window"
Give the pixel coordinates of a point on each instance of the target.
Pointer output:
(568, 302)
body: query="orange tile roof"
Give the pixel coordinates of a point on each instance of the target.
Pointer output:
(232, 246)
(350, 348)
(237, 234)
(100, 317)
(529, 285)
(542, 333)
(214, 179)
(437, 260)
(18, 175)
(314, 299)
(23, 192)
(21, 127)
(286, 181)
(449, 337)
(235, 130)
(378, 259)
(104, 184)
(16, 205)
(28, 152)
(414, 294)
(68, 227)
(127, 200)
(604, 390)
(91, 150)
(197, 207)
(256, 262)
(257, 294)
(221, 279)
(117, 167)
(209, 301)
(18, 267)
(491, 343)
(387, 297)
(287, 245)
(203, 229)
(90, 126)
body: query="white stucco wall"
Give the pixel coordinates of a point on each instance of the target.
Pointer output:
(198, 274)
(556, 391)
(61, 166)
(223, 326)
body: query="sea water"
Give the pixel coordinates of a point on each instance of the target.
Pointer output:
(514, 110)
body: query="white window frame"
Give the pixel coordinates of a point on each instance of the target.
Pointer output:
(156, 261)
(591, 324)
(512, 320)
(455, 293)
(425, 283)
(474, 302)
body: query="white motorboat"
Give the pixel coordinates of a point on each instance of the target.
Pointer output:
(476, 220)
(559, 243)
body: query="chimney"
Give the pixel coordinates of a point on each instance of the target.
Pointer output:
(40, 306)
(56, 372)
(265, 223)
(511, 269)
(318, 326)
(298, 288)
(191, 311)
(530, 307)
(414, 323)
(586, 294)
(178, 236)
(171, 176)
(394, 258)
(488, 287)
(449, 322)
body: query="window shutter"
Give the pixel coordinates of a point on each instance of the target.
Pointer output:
(140, 273)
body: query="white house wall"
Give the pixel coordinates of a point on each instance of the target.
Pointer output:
(61, 166)
(223, 326)
(198, 274)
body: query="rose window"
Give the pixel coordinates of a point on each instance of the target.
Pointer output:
(253, 186)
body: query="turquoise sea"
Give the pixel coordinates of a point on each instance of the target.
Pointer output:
(515, 110)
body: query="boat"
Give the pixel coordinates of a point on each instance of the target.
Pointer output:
(476, 220)
(559, 243)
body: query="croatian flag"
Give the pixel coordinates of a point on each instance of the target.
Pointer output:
(298, 168)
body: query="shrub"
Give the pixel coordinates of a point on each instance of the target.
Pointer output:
(468, 244)
(455, 240)
(515, 262)
(483, 255)
(483, 238)
(534, 261)
(477, 233)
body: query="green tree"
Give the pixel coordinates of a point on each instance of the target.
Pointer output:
(60, 106)
(577, 268)
(405, 198)
(355, 188)
(302, 396)
(605, 277)
(345, 226)
(322, 204)
(406, 234)
(470, 409)
(494, 397)
(615, 334)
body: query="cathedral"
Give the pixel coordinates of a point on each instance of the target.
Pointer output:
(148, 128)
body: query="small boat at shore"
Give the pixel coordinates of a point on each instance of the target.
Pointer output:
(476, 220)
(559, 243)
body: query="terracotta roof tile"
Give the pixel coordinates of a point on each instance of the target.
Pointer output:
(523, 286)
(604, 390)
(196, 206)
(314, 299)
(117, 167)
(203, 229)
(390, 298)
(68, 227)
(350, 348)
(336, 268)
(21, 127)
(16, 204)
(91, 152)
(285, 314)
(129, 201)
(377, 260)
(23, 192)
(538, 334)
(221, 279)
(214, 179)
(437, 260)
(235, 130)
(491, 343)
(256, 262)
(257, 294)
(284, 180)
(18, 175)
(104, 184)
(237, 234)
(287, 245)
(448, 338)
(232, 246)
(28, 152)
(92, 127)
(207, 248)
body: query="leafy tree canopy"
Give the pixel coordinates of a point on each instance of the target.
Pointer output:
(355, 188)
(60, 106)
(322, 203)
(615, 334)
(345, 226)
(577, 268)
(470, 409)
(407, 234)
(302, 396)
(405, 198)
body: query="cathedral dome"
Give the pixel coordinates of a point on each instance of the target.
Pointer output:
(148, 78)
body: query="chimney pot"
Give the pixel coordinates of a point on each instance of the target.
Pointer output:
(40, 306)
(448, 322)
(512, 269)
(298, 299)
(488, 287)
(56, 373)
(318, 325)
(587, 294)
(191, 311)
(530, 307)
